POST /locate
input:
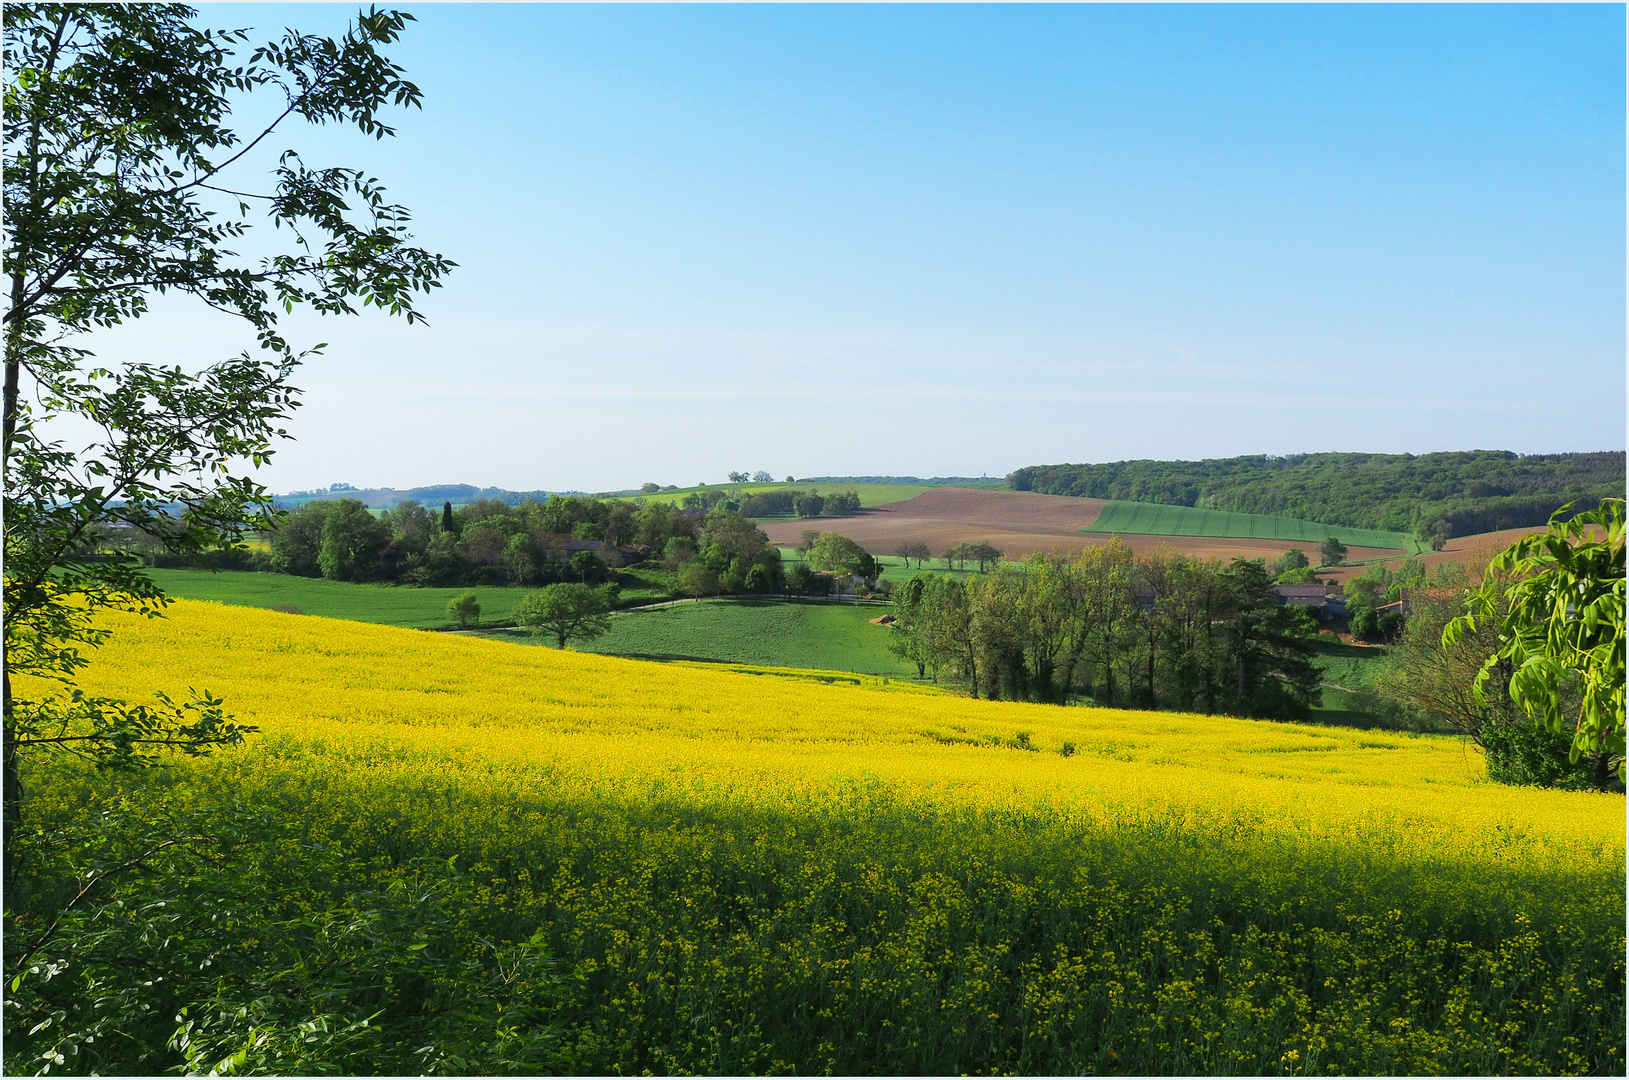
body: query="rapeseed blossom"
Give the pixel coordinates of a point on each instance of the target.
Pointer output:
(506, 714)
(748, 870)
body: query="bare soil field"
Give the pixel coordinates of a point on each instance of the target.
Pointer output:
(1473, 551)
(1017, 522)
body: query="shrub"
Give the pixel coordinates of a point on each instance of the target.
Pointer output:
(464, 610)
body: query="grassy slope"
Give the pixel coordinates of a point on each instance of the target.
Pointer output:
(870, 494)
(384, 604)
(894, 568)
(1150, 519)
(824, 636)
(1347, 670)
(388, 605)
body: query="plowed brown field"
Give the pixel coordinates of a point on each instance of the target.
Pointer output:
(1018, 523)
(1472, 551)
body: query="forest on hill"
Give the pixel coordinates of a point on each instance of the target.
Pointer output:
(1434, 496)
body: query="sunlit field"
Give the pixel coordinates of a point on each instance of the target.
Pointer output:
(1160, 520)
(749, 873)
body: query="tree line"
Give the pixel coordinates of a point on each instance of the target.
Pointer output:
(780, 502)
(488, 542)
(1105, 627)
(1434, 496)
(491, 542)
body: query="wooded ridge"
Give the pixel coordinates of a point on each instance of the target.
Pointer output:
(1439, 495)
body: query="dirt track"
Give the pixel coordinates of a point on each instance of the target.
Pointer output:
(1018, 523)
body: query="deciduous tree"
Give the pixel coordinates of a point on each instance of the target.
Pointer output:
(570, 610)
(352, 541)
(120, 183)
(833, 551)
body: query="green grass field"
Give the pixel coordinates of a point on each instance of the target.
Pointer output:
(389, 605)
(1152, 519)
(870, 494)
(384, 604)
(1348, 672)
(894, 568)
(770, 633)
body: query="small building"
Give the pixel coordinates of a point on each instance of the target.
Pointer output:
(1315, 597)
(562, 549)
(624, 555)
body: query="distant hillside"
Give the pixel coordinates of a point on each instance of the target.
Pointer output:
(383, 498)
(459, 494)
(1446, 494)
(933, 481)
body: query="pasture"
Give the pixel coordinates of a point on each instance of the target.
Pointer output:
(388, 605)
(1348, 671)
(870, 494)
(777, 633)
(1150, 519)
(894, 568)
(726, 873)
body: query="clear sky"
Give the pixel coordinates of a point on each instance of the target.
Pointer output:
(957, 240)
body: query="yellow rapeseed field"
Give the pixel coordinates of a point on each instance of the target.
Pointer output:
(504, 716)
(737, 871)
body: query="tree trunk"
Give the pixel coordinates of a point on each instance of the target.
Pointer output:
(1151, 698)
(12, 783)
(14, 349)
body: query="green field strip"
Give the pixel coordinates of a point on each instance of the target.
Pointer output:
(774, 633)
(1153, 519)
(870, 494)
(423, 608)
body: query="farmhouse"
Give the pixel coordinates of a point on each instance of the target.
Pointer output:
(561, 549)
(1310, 596)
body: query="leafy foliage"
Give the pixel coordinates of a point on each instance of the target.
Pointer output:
(835, 552)
(327, 971)
(1162, 632)
(116, 128)
(566, 611)
(117, 151)
(1561, 619)
(464, 610)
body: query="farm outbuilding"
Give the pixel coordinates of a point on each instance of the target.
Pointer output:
(561, 549)
(1311, 596)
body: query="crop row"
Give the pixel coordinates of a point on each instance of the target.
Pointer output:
(1156, 520)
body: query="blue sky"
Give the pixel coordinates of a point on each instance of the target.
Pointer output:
(958, 240)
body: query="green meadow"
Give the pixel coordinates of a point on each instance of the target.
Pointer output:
(1152, 519)
(825, 635)
(870, 494)
(388, 605)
